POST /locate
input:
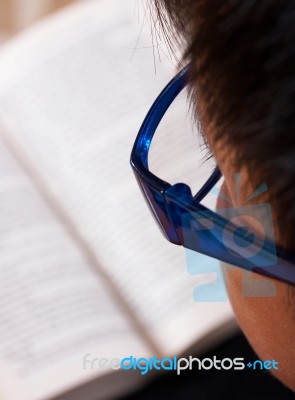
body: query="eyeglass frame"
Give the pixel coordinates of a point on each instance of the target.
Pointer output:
(169, 203)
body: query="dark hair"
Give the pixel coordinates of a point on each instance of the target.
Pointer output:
(243, 67)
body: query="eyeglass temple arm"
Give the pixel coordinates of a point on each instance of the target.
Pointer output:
(214, 178)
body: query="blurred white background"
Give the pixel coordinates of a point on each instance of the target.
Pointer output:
(16, 15)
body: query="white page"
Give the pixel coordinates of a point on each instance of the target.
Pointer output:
(79, 101)
(53, 308)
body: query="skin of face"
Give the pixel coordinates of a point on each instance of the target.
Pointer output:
(268, 321)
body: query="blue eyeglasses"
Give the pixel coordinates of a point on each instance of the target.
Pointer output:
(185, 221)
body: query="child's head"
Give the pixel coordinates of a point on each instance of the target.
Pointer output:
(242, 85)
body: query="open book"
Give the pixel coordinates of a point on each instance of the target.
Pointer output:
(83, 268)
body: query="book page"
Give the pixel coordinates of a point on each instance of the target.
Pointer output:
(80, 93)
(55, 313)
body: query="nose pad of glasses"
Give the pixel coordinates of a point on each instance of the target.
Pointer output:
(155, 199)
(177, 197)
(180, 191)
